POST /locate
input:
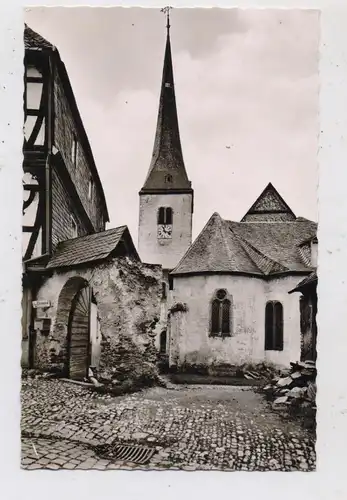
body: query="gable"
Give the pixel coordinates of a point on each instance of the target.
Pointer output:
(269, 207)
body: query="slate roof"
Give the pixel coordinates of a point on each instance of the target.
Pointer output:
(267, 241)
(167, 158)
(309, 280)
(93, 247)
(265, 248)
(279, 241)
(33, 40)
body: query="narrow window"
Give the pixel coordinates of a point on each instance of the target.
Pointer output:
(274, 326)
(161, 215)
(221, 314)
(74, 231)
(90, 189)
(225, 316)
(163, 290)
(215, 316)
(168, 215)
(163, 342)
(170, 283)
(168, 178)
(165, 215)
(74, 150)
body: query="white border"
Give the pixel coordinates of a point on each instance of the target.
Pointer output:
(329, 481)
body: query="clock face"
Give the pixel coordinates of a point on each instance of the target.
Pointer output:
(164, 231)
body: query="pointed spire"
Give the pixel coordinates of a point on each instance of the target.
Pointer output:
(167, 171)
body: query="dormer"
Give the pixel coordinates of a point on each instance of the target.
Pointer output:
(309, 252)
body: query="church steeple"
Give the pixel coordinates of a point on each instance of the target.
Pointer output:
(167, 172)
(166, 199)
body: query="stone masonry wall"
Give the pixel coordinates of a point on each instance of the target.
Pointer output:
(128, 295)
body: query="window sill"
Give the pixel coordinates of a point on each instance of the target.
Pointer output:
(220, 335)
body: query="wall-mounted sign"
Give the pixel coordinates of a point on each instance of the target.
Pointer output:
(41, 304)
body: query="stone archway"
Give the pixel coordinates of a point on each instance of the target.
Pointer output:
(73, 325)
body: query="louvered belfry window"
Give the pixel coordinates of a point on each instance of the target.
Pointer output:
(221, 314)
(165, 215)
(274, 326)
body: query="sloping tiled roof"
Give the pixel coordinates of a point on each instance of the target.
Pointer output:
(264, 248)
(279, 241)
(93, 247)
(167, 171)
(33, 40)
(309, 280)
(216, 249)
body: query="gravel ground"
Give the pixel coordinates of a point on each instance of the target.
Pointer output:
(66, 426)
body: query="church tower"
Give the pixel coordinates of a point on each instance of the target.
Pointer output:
(166, 198)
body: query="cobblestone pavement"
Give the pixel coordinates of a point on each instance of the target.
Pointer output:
(66, 426)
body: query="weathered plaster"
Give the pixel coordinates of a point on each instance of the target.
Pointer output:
(165, 252)
(128, 296)
(190, 341)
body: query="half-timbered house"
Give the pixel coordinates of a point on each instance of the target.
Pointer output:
(74, 270)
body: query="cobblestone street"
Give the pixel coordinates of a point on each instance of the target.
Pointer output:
(197, 427)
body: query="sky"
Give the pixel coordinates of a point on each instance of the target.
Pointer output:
(247, 90)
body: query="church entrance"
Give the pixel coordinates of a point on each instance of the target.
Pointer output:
(78, 358)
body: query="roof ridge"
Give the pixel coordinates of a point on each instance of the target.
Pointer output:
(223, 229)
(271, 261)
(195, 242)
(244, 247)
(83, 249)
(94, 234)
(216, 249)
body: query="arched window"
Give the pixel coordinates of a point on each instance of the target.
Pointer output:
(168, 178)
(221, 314)
(162, 347)
(274, 326)
(165, 215)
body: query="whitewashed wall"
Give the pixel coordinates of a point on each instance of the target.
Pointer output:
(189, 331)
(165, 252)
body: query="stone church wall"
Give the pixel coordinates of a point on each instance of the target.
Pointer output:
(128, 298)
(190, 342)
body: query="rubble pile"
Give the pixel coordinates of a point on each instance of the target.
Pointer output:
(295, 391)
(260, 371)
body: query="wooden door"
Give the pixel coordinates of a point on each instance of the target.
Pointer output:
(79, 335)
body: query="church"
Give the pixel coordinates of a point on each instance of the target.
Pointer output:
(226, 297)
